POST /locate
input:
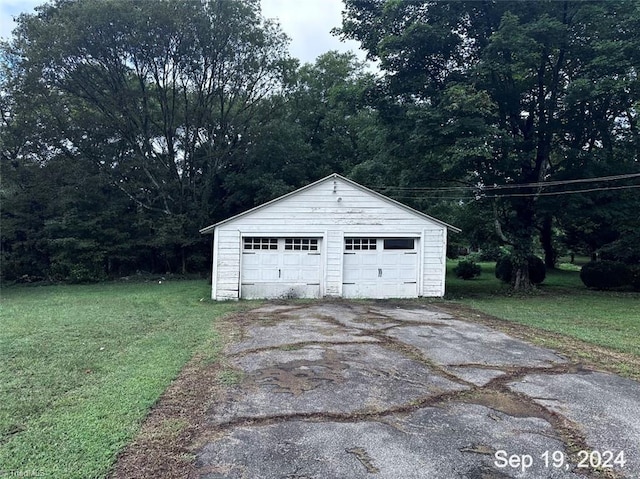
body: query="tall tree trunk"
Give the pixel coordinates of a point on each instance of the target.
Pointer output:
(521, 280)
(522, 232)
(546, 238)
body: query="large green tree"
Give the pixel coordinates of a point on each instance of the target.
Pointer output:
(155, 97)
(510, 92)
(319, 124)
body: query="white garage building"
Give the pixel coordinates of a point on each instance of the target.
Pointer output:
(334, 238)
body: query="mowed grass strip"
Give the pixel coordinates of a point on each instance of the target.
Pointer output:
(561, 304)
(80, 366)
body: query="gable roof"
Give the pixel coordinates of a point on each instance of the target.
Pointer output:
(209, 229)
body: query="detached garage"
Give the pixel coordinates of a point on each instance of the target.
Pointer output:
(334, 238)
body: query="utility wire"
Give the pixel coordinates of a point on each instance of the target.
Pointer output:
(557, 193)
(511, 195)
(520, 185)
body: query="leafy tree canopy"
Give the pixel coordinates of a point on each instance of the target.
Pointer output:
(515, 93)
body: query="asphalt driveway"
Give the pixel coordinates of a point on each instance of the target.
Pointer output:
(360, 390)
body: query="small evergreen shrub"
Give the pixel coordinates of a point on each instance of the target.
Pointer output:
(537, 269)
(467, 269)
(606, 275)
(81, 273)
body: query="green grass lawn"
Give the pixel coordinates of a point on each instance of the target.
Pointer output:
(80, 366)
(562, 304)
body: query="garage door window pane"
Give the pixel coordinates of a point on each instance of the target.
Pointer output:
(357, 244)
(301, 244)
(260, 243)
(399, 243)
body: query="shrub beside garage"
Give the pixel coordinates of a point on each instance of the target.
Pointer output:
(608, 275)
(467, 269)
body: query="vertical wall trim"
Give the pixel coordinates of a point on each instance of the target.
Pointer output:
(421, 260)
(444, 260)
(324, 264)
(341, 256)
(240, 246)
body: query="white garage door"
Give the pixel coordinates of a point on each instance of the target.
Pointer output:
(280, 267)
(380, 268)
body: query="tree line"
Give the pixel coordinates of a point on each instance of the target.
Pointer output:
(127, 126)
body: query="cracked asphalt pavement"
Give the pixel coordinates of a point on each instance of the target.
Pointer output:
(369, 390)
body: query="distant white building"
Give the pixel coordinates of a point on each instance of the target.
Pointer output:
(331, 238)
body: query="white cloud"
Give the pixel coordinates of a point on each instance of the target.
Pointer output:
(309, 24)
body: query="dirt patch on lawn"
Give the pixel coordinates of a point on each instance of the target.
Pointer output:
(160, 448)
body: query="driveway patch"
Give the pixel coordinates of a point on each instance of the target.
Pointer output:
(457, 342)
(332, 379)
(456, 440)
(296, 331)
(605, 406)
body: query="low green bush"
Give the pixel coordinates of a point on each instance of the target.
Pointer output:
(467, 269)
(606, 275)
(537, 269)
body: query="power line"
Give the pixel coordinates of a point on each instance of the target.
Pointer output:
(512, 186)
(557, 193)
(520, 195)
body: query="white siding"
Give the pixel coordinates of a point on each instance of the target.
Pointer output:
(227, 266)
(319, 209)
(331, 209)
(434, 262)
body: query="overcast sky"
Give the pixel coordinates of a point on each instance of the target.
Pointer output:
(307, 22)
